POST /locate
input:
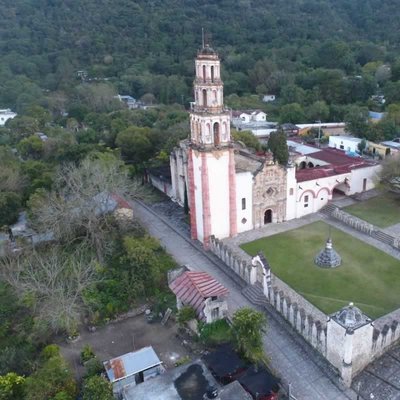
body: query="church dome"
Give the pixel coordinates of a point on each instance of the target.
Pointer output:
(351, 317)
(207, 50)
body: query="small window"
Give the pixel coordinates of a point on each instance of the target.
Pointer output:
(305, 199)
(305, 205)
(244, 220)
(243, 203)
(291, 192)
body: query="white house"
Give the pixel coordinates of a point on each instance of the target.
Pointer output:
(349, 144)
(268, 98)
(130, 101)
(5, 115)
(249, 116)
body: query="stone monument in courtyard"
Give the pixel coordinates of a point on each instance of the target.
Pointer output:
(328, 257)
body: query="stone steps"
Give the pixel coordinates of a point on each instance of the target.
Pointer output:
(255, 295)
(383, 237)
(328, 209)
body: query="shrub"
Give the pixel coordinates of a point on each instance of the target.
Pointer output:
(93, 367)
(182, 361)
(52, 350)
(87, 353)
(248, 326)
(216, 332)
(185, 314)
(97, 388)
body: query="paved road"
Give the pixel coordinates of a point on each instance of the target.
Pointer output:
(294, 363)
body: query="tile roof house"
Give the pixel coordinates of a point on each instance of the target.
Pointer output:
(200, 291)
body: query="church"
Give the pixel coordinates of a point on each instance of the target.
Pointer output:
(229, 189)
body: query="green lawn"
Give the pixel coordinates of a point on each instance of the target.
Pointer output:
(382, 211)
(367, 276)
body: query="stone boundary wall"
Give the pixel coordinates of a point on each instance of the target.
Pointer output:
(305, 318)
(353, 221)
(365, 227)
(386, 332)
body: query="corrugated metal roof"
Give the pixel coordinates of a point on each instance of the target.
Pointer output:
(194, 287)
(131, 363)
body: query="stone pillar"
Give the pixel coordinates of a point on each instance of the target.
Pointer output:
(347, 366)
(253, 274)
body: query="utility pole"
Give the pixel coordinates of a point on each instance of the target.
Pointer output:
(319, 133)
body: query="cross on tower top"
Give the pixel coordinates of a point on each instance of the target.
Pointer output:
(205, 43)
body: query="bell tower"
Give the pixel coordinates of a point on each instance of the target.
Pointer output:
(211, 165)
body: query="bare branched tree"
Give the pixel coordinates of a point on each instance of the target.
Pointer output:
(390, 173)
(54, 281)
(83, 198)
(10, 179)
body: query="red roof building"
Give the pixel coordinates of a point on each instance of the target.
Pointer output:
(202, 292)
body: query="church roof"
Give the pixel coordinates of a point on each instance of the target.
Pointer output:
(247, 163)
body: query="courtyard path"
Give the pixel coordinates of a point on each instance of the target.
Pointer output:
(296, 364)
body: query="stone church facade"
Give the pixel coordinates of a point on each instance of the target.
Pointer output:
(229, 189)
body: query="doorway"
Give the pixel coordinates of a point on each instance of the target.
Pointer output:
(268, 216)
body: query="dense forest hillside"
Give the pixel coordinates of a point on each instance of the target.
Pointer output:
(147, 46)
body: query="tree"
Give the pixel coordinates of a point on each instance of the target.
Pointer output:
(31, 146)
(383, 73)
(248, 326)
(362, 145)
(148, 98)
(54, 281)
(277, 144)
(318, 111)
(292, 94)
(292, 113)
(11, 386)
(23, 126)
(40, 114)
(99, 97)
(97, 388)
(10, 204)
(391, 91)
(52, 380)
(135, 144)
(390, 173)
(357, 121)
(247, 138)
(82, 200)
(11, 179)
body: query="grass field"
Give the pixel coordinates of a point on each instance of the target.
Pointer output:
(367, 276)
(382, 211)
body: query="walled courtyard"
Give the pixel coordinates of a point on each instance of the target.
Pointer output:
(368, 277)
